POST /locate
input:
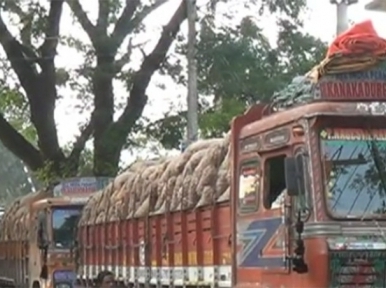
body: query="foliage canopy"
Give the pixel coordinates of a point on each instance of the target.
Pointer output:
(237, 66)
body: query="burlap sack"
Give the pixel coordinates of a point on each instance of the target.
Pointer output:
(225, 196)
(197, 177)
(15, 222)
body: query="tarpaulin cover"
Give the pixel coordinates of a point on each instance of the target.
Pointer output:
(358, 49)
(358, 40)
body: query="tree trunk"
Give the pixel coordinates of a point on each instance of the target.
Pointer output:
(103, 114)
(107, 151)
(40, 89)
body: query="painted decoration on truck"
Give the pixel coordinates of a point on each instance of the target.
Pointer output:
(357, 268)
(250, 144)
(80, 187)
(64, 275)
(352, 134)
(277, 138)
(372, 108)
(249, 186)
(356, 86)
(258, 244)
(365, 242)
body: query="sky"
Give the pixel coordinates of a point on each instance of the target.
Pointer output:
(320, 22)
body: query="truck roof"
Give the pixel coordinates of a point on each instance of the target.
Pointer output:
(281, 118)
(59, 201)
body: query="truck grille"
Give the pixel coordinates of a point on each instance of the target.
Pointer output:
(357, 268)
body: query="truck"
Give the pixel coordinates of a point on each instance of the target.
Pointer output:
(38, 232)
(301, 201)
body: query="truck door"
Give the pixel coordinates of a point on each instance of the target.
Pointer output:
(260, 228)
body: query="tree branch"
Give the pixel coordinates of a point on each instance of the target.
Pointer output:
(83, 19)
(19, 146)
(48, 48)
(24, 69)
(125, 58)
(81, 141)
(120, 29)
(42, 105)
(126, 23)
(106, 154)
(103, 16)
(137, 99)
(141, 15)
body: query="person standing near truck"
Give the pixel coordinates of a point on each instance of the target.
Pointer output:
(105, 279)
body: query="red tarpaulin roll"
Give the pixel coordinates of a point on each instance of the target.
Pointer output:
(359, 39)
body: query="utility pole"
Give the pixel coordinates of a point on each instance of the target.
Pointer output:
(192, 98)
(341, 14)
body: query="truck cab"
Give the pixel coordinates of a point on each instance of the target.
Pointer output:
(309, 189)
(37, 247)
(56, 230)
(51, 263)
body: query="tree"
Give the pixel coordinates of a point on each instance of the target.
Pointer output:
(31, 56)
(14, 180)
(237, 66)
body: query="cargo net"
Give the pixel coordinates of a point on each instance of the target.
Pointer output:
(358, 49)
(199, 176)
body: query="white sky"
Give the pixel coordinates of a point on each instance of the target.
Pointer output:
(321, 22)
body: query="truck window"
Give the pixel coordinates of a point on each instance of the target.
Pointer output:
(249, 186)
(275, 182)
(64, 223)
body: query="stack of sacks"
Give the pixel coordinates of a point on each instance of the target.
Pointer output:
(15, 223)
(110, 203)
(223, 189)
(197, 177)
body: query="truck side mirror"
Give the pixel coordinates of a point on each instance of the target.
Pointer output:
(294, 175)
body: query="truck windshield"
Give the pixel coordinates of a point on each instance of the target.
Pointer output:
(64, 222)
(354, 171)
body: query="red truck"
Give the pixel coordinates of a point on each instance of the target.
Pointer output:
(306, 208)
(38, 232)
